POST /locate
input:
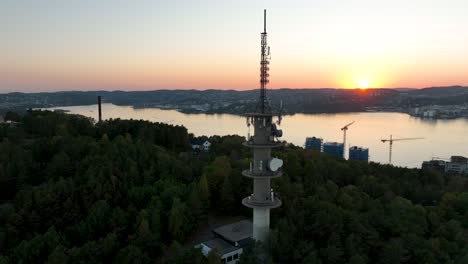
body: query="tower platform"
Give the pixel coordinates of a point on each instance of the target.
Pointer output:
(269, 145)
(262, 175)
(255, 204)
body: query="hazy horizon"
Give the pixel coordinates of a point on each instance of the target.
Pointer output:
(128, 45)
(221, 89)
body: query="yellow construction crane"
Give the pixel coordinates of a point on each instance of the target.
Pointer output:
(344, 129)
(390, 140)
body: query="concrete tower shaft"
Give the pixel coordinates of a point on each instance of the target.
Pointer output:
(263, 140)
(263, 198)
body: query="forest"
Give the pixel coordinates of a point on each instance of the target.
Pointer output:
(132, 191)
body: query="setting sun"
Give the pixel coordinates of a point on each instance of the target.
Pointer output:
(363, 84)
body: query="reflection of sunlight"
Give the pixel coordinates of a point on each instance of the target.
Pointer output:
(369, 129)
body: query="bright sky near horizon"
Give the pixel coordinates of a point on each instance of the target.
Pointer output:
(49, 45)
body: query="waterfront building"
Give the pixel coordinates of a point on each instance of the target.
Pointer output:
(314, 143)
(434, 165)
(333, 148)
(457, 164)
(358, 153)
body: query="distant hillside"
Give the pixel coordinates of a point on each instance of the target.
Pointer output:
(441, 91)
(237, 102)
(404, 89)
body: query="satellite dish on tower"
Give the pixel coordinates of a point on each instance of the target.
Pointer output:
(275, 164)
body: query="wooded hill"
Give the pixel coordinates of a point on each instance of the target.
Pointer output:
(128, 191)
(308, 101)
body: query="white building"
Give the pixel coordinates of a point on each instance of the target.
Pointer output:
(199, 144)
(228, 253)
(457, 164)
(206, 145)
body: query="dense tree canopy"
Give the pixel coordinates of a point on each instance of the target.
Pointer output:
(129, 191)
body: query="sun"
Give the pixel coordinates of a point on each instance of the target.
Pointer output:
(363, 84)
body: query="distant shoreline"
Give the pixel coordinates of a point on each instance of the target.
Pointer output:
(435, 103)
(60, 109)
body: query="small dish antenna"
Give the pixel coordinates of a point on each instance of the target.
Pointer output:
(275, 164)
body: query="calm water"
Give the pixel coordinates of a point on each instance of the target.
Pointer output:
(442, 138)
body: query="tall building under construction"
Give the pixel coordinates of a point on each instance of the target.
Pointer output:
(263, 167)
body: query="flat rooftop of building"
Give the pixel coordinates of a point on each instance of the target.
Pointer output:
(460, 159)
(220, 245)
(333, 143)
(434, 161)
(235, 232)
(359, 148)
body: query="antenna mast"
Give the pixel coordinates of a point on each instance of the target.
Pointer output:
(264, 63)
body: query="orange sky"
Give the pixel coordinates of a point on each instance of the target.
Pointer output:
(211, 45)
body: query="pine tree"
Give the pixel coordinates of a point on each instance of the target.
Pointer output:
(195, 204)
(177, 219)
(204, 191)
(227, 196)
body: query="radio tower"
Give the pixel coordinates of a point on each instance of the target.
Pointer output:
(263, 168)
